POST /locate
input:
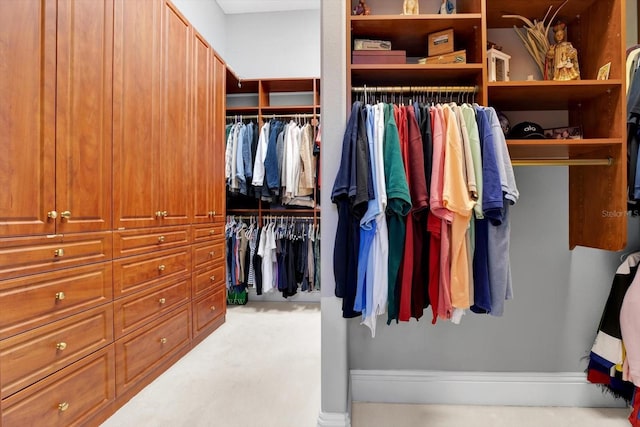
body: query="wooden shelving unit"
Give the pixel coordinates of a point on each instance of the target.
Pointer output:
(262, 100)
(598, 106)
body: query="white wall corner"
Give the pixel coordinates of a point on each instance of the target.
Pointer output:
(334, 419)
(479, 388)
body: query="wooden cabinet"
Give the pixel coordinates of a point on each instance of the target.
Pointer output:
(208, 311)
(112, 122)
(597, 162)
(59, 176)
(141, 352)
(70, 397)
(29, 357)
(136, 113)
(34, 300)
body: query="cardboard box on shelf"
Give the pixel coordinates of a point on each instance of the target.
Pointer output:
(457, 57)
(440, 42)
(379, 57)
(365, 44)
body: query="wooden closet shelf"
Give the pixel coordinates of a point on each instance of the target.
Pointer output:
(530, 9)
(535, 149)
(414, 26)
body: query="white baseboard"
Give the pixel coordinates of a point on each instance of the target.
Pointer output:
(333, 419)
(479, 388)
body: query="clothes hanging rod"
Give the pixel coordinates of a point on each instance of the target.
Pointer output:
(268, 116)
(405, 89)
(563, 162)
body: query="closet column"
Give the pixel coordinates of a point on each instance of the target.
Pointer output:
(334, 363)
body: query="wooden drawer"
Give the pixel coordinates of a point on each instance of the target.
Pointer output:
(206, 279)
(28, 302)
(70, 397)
(140, 241)
(139, 353)
(203, 233)
(135, 310)
(29, 357)
(208, 309)
(20, 256)
(138, 272)
(205, 254)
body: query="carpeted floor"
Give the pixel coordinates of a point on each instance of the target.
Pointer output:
(262, 369)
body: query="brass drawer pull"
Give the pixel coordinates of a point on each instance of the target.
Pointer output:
(66, 214)
(160, 239)
(212, 253)
(212, 232)
(163, 340)
(161, 267)
(214, 213)
(61, 345)
(165, 214)
(213, 308)
(63, 406)
(52, 214)
(60, 296)
(211, 213)
(162, 301)
(58, 252)
(212, 278)
(158, 214)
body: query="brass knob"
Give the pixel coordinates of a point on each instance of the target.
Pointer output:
(211, 213)
(212, 253)
(158, 214)
(61, 345)
(66, 214)
(214, 213)
(161, 267)
(213, 278)
(60, 296)
(213, 308)
(165, 213)
(160, 239)
(162, 301)
(52, 214)
(63, 406)
(163, 340)
(58, 252)
(211, 232)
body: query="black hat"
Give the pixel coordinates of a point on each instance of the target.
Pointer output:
(527, 130)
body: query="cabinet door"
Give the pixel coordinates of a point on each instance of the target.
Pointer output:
(219, 198)
(136, 113)
(27, 116)
(83, 115)
(203, 154)
(173, 161)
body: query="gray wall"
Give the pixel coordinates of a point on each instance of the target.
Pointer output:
(632, 22)
(272, 45)
(559, 294)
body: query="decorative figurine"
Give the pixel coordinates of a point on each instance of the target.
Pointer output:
(411, 7)
(362, 8)
(562, 58)
(447, 7)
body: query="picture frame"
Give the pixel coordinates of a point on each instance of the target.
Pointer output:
(603, 72)
(570, 132)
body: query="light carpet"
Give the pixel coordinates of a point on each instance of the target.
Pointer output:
(261, 368)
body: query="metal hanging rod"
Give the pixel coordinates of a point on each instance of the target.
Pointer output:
(409, 89)
(270, 116)
(563, 162)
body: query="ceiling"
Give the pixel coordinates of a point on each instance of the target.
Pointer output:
(254, 6)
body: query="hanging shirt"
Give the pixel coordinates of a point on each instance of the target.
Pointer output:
(398, 204)
(345, 254)
(378, 266)
(261, 154)
(413, 295)
(456, 198)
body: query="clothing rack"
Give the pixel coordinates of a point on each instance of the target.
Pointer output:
(563, 162)
(410, 89)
